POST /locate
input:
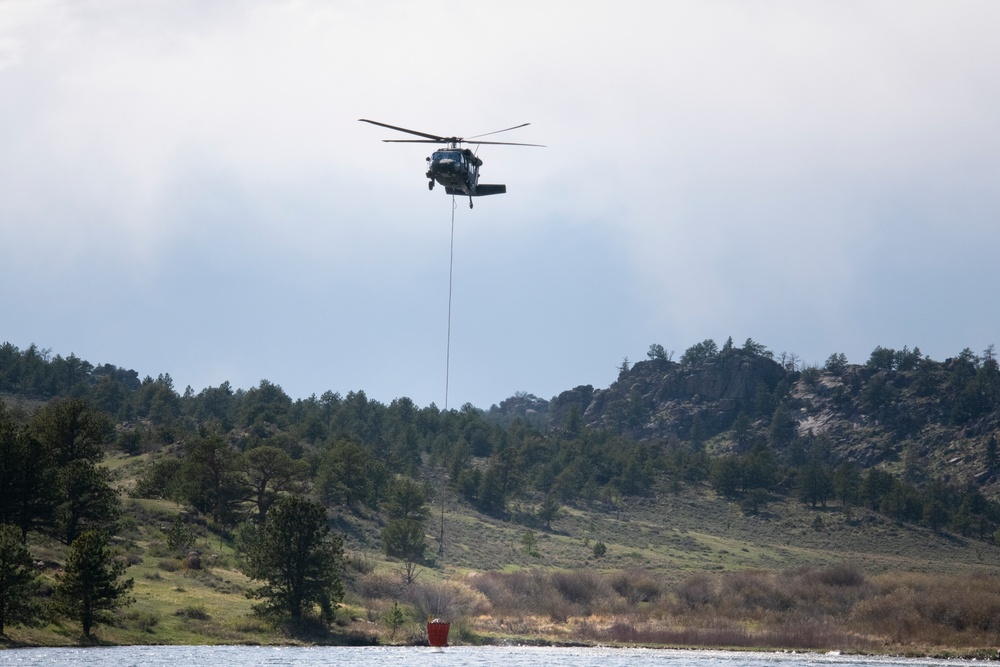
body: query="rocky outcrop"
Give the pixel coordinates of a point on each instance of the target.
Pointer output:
(660, 398)
(922, 420)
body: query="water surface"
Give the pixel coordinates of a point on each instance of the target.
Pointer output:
(461, 656)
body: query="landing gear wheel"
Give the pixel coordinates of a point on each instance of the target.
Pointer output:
(470, 202)
(430, 185)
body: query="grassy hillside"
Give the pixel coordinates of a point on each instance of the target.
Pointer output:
(665, 545)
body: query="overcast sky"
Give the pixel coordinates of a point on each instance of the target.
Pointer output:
(185, 188)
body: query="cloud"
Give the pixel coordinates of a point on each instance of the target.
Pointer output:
(820, 177)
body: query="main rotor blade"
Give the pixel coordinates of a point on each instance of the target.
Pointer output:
(504, 143)
(435, 137)
(458, 141)
(486, 134)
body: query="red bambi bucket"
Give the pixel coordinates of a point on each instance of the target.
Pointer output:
(437, 633)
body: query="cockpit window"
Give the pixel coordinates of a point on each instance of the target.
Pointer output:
(447, 155)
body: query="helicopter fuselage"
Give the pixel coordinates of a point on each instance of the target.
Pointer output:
(457, 169)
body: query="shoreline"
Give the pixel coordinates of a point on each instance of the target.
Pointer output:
(991, 654)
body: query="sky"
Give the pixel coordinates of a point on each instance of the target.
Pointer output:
(185, 187)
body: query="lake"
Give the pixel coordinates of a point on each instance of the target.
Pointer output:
(460, 656)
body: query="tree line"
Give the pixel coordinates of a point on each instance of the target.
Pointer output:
(235, 451)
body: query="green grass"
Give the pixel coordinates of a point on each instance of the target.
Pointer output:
(670, 537)
(698, 531)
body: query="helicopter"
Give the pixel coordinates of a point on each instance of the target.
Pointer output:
(454, 167)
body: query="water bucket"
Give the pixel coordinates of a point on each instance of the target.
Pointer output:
(437, 633)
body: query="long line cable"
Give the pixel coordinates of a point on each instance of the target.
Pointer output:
(451, 268)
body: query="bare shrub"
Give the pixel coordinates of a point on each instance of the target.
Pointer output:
(158, 549)
(844, 574)
(377, 586)
(934, 609)
(252, 624)
(144, 621)
(698, 590)
(808, 608)
(497, 588)
(831, 591)
(797, 633)
(530, 591)
(452, 601)
(892, 615)
(636, 585)
(755, 590)
(809, 633)
(719, 632)
(621, 632)
(585, 590)
(169, 564)
(969, 605)
(359, 562)
(196, 612)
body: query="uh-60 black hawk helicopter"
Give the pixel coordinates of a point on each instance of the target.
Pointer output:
(454, 167)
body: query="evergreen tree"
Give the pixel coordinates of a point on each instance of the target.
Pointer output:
(267, 471)
(49, 473)
(349, 474)
(405, 539)
(756, 349)
(815, 482)
(28, 487)
(991, 452)
(836, 363)
(549, 511)
(298, 558)
(180, 537)
(847, 483)
(403, 536)
(394, 619)
(741, 431)
(211, 476)
(727, 475)
(18, 581)
(759, 468)
(407, 500)
(70, 430)
(91, 584)
(699, 352)
(876, 486)
(783, 427)
(88, 501)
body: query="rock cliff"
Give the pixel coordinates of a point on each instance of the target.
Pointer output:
(660, 398)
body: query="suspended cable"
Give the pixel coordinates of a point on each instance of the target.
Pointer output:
(451, 267)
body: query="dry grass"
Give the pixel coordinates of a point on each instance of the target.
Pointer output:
(950, 611)
(837, 607)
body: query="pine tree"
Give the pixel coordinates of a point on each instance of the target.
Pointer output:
(18, 581)
(298, 558)
(91, 583)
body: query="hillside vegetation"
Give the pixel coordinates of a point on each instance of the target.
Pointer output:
(730, 498)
